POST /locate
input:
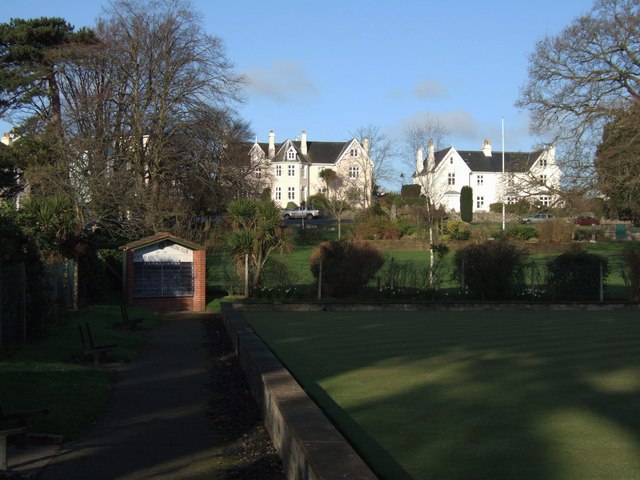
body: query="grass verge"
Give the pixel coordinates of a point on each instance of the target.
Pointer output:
(53, 373)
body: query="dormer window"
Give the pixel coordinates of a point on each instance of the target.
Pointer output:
(354, 152)
(291, 154)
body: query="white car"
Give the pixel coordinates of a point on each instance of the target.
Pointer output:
(537, 218)
(301, 212)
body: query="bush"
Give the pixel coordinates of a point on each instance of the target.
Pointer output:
(575, 276)
(347, 266)
(555, 231)
(521, 207)
(631, 272)
(522, 232)
(375, 227)
(278, 274)
(466, 204)
(410, 191)
(492, 270)
(456, 230)
(405, 226)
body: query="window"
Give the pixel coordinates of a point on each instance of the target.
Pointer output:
(291, 154)
(545, 200)
(543, 162)
(292, 170)
(291, 193)
(543, 179)
(451, 180)
(479, 202)
(480, 180)
(354, 171)
(278, 193)
(258, 172)
(354, 152)
(278, 170)
(511, 200)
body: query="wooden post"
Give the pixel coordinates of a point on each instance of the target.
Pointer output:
(246, 275)
(601, 282)
(320, 281)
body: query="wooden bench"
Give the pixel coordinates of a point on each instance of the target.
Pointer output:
(17, 427)
(99, 352)
(130, 323)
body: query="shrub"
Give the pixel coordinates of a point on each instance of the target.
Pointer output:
(410, 191)
(405, 226)
(278, 274)
(375, 227)
(466, 204)
(522, 232)
(575, 276)
(520, 208)
(555, 231)
(456, 230)
(492, 270)
(631, 272)
(347, 266)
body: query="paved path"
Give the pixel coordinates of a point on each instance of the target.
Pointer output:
(155, 424)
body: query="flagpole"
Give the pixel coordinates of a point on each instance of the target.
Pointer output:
(504, 184)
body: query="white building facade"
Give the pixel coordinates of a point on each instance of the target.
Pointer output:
(533, 176)
(291, 169)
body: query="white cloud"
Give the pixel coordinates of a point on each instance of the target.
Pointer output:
(283, 82)
(430, 89)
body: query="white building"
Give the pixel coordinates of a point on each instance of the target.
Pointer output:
(291, 169)
(533, 176)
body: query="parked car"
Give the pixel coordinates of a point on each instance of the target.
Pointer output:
(301, 212)
(585, 220)
(537, 218)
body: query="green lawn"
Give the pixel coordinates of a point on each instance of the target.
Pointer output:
(52, 372)
(474, 395)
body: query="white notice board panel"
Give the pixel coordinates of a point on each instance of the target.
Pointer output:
(163, 252)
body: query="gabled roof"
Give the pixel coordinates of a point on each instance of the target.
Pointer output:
(317, 152)
(159, 237)
(477, 161)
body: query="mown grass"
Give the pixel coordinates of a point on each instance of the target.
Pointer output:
(483, 395)
(53, 373)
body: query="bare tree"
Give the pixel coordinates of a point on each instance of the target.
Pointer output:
(419, 133)
(150, 117)
(381, 151)
(581, 79)
(337, 199)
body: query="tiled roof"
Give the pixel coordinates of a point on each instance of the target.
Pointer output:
(317, 152)
(478, 162)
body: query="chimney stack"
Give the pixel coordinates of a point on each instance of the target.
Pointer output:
(419, 160)
(486, 148)
(303, 142)
(366, 146)
(272, 144)
(431, 156)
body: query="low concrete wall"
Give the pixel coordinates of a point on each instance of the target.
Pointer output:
(309, 445)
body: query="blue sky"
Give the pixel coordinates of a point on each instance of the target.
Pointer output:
(331, 67)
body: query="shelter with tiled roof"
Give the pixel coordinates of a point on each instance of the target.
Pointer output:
(494, 176)
(291, 169)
